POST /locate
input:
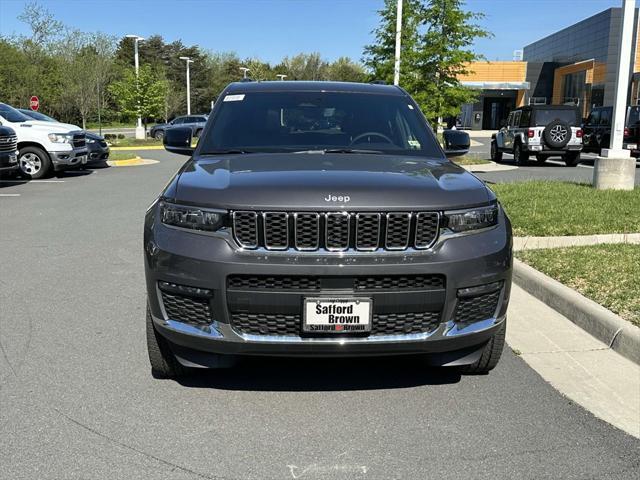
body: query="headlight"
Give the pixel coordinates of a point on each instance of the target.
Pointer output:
(193, 218)
(472, 219)
(91, 140)
(60, 137)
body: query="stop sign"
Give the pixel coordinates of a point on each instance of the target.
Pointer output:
(34, 103)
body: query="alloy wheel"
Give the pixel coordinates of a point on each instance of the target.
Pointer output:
(30, 163)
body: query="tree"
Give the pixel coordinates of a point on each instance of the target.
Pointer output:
(142, 95)
(346, 70)
(437, 41)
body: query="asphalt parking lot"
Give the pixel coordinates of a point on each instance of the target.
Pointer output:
(77, 399)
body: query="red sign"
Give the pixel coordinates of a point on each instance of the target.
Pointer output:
(34, 103)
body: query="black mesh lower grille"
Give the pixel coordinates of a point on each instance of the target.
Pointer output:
(187, 309)
(311, 283)
(290, 325)
(470, 310)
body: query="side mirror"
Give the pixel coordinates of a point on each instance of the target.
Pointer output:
(456, 143)
(178, 140)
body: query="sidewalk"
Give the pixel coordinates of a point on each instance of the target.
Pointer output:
(575, 363)
(531, 243)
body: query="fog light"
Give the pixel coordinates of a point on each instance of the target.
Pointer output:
(185, 290)
(479, 290)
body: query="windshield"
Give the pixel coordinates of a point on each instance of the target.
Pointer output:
(546, 116)
(12, 115)
(633, 119)
(38, 116)
(302, 121)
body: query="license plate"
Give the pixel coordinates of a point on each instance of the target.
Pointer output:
(337, 315)
(632, 146)
(13, 158)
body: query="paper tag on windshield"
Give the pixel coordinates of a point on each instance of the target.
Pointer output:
(234, 98)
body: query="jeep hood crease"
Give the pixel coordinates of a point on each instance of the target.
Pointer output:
(271, 180)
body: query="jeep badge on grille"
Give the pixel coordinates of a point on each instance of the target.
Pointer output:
(337, 198)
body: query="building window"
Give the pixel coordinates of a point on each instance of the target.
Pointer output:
(574, 87)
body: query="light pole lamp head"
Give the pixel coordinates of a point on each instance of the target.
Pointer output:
(281, 76)
(244, 70)
(187, 59)
(137, 38)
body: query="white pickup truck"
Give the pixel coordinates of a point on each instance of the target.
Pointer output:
(44, 147)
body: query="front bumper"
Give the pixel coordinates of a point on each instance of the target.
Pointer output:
(8, 162)
(68, 159)
(206, 261)
(98, 154)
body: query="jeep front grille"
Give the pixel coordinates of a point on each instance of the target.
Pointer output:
(79, 140)
(335, 231)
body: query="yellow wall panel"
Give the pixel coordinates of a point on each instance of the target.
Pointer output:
(495, 72)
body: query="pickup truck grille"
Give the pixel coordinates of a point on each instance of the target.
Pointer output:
(79, 140)
(8, 144)
(335, 231)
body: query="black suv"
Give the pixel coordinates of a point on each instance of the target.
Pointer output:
(541, 130)
(597, 130)
(323, 219)
(8, 151)
(195, 122)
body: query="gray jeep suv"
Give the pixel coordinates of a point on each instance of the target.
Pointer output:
(323, 219)
(540, 130)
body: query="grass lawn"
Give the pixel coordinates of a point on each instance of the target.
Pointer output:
(607, 274)
(134, 142)
(121, 155)
(543, 208)
(470, 159)
(96, 126)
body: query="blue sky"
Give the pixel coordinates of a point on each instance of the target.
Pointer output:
(271, 29)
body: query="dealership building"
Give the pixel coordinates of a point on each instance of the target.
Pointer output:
(576, 65)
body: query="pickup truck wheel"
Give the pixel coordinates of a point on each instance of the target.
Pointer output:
(163, 363)
(571, 159)
(496, 155)
(34, 162)
(490, 356)
(519, 156)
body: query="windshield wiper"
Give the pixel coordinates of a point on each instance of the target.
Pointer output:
(339, 150)
(231, 151)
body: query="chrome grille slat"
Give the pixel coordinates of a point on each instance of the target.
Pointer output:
(9, 144)
(335, 231)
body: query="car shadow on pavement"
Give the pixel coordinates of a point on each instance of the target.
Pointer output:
(322, 374)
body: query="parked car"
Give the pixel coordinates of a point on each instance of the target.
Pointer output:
(97, 148)
(324, 219)
(44, 147)
(541, 130)
(8, 151)
(195, 122)
(597, 130)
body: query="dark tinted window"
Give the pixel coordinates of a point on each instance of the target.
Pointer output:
(37, 115)
(633, 117)
(179, 120)
(605, 117)
(290, 121)
(10, 114)
(525, 118)
(594, 118)
(545, 116)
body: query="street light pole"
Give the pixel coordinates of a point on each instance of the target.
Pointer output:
(396, 67)
(188, 60)
(140, 133)
(281, 76)
(615, 168)
(244, 71)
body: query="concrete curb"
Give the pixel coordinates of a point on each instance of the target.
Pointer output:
(488, 167)
(533, 243)
(141, 147)
(606, 326)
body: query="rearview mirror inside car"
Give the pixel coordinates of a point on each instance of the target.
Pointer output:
(178, 140)
(456, 143)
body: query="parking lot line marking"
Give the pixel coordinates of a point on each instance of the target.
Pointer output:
(9, 194)
(585, 166)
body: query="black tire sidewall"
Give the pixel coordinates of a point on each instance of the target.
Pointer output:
(546, 134)
(159, 135)
(44, 171)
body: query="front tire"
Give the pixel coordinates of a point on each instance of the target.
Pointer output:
(163, 362)
(496, 155)
(571, 159)
(490, 356)
(520, 157)
(34, 163)
(159, 135)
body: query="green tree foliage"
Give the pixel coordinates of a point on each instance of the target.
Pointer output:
(437, 41)
(140, 95)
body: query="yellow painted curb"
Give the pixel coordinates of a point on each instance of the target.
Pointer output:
(143, 147)
(131, 162)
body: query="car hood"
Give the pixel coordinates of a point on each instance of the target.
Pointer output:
(52, 127)
(311, 181)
